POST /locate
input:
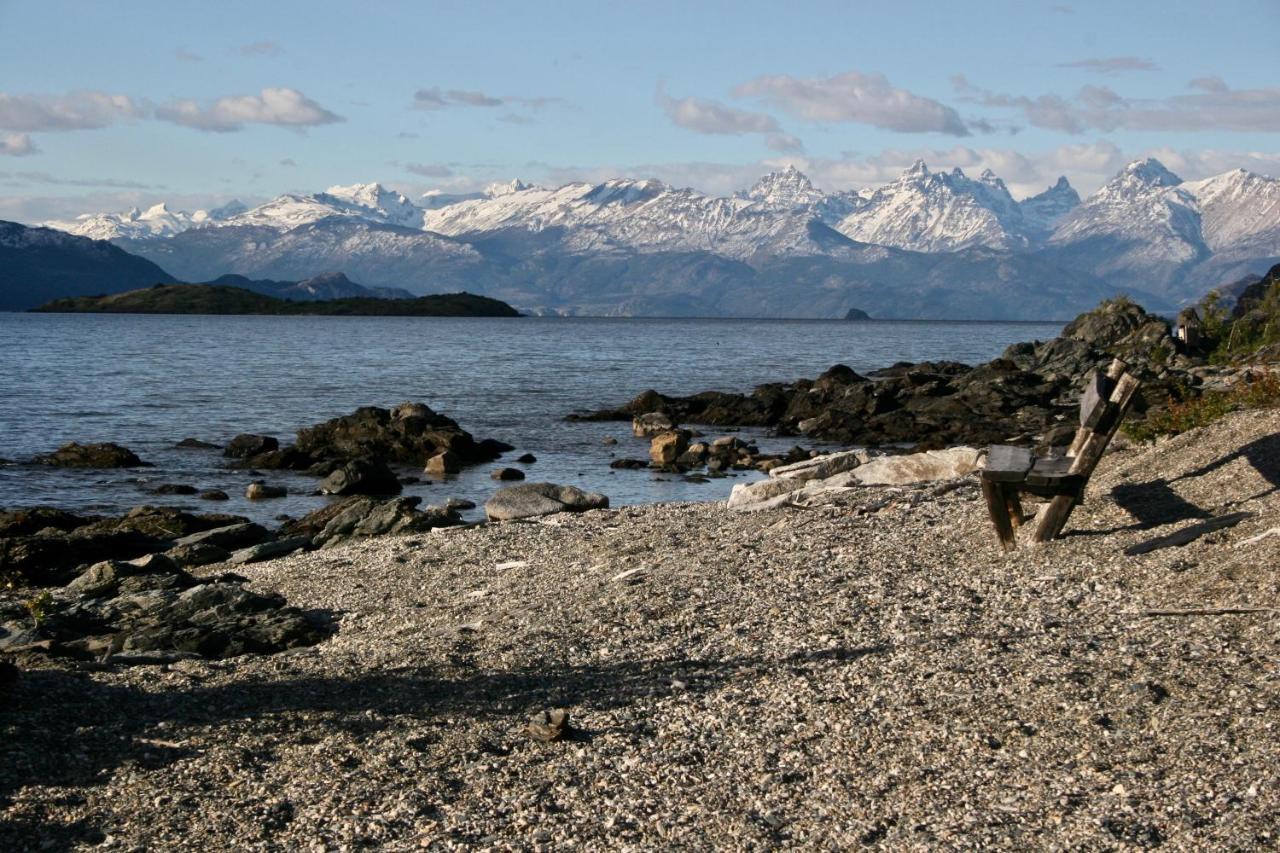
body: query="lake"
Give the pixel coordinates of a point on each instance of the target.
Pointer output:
(148, 381)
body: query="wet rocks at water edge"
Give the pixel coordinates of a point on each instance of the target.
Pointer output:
(100, 455)
(259, 490)
(534, 499)
(360, 516)
(506, 474)
(1021, 397)
(363, 476)
(443, 464)
(247, 445)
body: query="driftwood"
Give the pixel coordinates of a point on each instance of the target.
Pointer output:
(1188, 534)
(1206, 611)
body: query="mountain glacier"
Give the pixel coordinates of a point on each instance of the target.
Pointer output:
(626, 246)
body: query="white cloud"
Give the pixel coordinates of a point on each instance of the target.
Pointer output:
(430, 170)
(83, 110)
(855, 97)
(278, 106)
(705, 116)
(16, 145)
(261, 48)
(1212, 106)
(1112, 64)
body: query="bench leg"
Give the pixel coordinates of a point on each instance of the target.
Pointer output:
(1054, 517)
(999, 511)
(1013, 504)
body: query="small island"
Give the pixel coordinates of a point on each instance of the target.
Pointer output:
(856, 314)
(220, 299)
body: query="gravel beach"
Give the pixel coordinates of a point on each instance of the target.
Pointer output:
(870, 670)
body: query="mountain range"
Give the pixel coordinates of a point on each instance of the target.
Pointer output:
(927, 245)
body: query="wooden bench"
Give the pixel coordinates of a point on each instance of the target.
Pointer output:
(1058, 476)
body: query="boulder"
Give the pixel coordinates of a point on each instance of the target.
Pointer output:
(174, 489)
(249, 444)
(258, 491)
(411, 433)
(443, 464)
(666, 447)
(535, 499)
(270, 550)
(199, 554)
(214, 495)
(526, 459)
(651, 424)
(231, 537)
(195, 444)
(23, 522)
(919, 467)
(101, 455)
(357, 517)
(506, 474)
(362, 476)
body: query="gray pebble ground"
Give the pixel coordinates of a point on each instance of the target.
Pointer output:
(871, 671)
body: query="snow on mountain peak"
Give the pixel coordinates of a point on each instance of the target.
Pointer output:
(1148, 171)
(789, 187)
(500, 189)
(916, 169)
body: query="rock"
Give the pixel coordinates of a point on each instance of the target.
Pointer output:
(459, 503)
(609, 440)
(214, 495)
(102, 455)
(362, 476)
(443, 464)
(248, 444)
(22, 522)
(651, 424)
(100, 579)
(195, 444)
(270, 550)
(628, 464)
(526, 459)
(856, 314)
(199, 554)
(548, 726)
(357, 517)
(666, 447)
(821, 467)
(411, 433)
(231, 537)
(919, 467)
(174, 489)
(258, 490)
(506, 474)
(535, 499)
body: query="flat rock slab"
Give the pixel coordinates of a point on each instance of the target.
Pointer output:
(534, 499)
(270, 550)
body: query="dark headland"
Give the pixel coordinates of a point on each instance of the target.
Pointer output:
(220, 299)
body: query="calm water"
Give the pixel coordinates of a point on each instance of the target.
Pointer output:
(149, 381)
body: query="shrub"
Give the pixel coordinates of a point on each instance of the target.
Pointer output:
(1262, 391)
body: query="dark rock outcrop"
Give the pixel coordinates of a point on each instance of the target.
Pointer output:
(100, 455)
(1022, 396)
(152, 610)
(534, 499)
(363, 476)
(357, 517)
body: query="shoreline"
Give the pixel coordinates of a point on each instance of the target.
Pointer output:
(869, 670)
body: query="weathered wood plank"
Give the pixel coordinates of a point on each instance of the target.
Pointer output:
(1093, 401)
(1012, 504)
(1188, 534)
(1007, 464)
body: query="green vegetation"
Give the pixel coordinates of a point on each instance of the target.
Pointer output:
(220, 299)
(1177, 416)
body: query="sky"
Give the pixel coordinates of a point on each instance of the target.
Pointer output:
(104, 106)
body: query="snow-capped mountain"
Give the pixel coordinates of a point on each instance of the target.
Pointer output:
(940, 212)
(1041, 213)
(1145, 232)
(156, 221)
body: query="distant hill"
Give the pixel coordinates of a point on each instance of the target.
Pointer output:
(330, 285)
(221, 299)
(38, 263)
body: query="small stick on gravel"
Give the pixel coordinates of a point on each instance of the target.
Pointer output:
(1206, 611)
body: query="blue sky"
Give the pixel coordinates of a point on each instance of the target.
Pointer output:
(106, 105)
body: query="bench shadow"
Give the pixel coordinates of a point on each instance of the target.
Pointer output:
(63, 728)
(1263, 455)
